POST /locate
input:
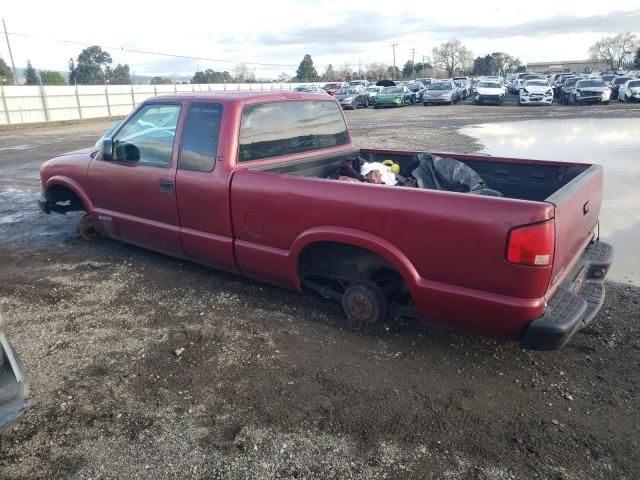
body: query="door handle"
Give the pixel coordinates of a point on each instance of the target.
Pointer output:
(166, 186)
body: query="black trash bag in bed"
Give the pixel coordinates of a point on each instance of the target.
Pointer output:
(437, 173)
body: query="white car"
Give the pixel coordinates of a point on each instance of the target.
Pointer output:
(629, 91)
(488, 92)
(372, 91)
(536, 92)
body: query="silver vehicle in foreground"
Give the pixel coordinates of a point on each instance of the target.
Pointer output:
(590, 90)
(14, 388)
(440, 92)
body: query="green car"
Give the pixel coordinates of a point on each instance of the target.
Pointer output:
(398, 96)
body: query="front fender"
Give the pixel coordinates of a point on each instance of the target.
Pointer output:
(71, 184)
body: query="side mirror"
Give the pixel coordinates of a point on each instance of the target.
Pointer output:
(106, 149)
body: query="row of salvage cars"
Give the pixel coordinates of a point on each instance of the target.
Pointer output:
(574, 89)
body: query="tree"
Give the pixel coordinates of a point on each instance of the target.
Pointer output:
(49, 77)
(503, 63)
(284, 77)
(615, 50)
(119, 75)
(160, 81)
(31, 75)
(306, 72)
(407, 69)
(520, 69)
(211, 76)
(636, 60)
(482, 65)
(329, 74)
(91, 66)
(451, 56)
(5, 73)
(243, 74)
(376, 71)
(393, 73)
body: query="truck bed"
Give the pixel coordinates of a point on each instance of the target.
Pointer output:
(514, 178)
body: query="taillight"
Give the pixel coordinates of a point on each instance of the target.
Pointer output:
(532, 244)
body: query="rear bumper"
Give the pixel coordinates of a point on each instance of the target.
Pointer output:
(575, 303)
(14, 388)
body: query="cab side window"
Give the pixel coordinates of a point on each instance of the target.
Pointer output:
(147, 138)
(200, 137)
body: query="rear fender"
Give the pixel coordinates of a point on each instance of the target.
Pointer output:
(356, 238)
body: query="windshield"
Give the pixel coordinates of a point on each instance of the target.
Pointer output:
(346, 91)
(392, 90)
(591, 83)
(440, 86)
(537, 83)
(414, 87)
(571, 82)
(331, 85)
(458, 82)
(635, 83)
(620, 81)
(373, 89)
(489, 85)
(608, 78)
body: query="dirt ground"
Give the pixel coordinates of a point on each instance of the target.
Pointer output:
(144, 366)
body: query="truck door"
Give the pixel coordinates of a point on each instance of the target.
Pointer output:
(134, 194)
(202, 186)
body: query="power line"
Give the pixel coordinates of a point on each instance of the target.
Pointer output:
(150, 52)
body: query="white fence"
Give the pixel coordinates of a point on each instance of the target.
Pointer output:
(29, 104)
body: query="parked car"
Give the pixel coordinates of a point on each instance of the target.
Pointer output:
(440, 92)
(372, 91)
(488, 92)
(592, 90)
(352, 97)
(559, 83)
(252, 183)
(397, 96)
(567, 89)
(465, 84)
(14, 387)
(332, 87)
(536, 92)
(310, 89)
(417, 89)
(615, 86)
(362, 83)
(426, 81)
(463, 93)
(629, 91)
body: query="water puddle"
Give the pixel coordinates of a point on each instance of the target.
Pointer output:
(612, 143)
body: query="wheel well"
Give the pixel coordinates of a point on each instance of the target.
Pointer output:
(62, 199)
(328, 267)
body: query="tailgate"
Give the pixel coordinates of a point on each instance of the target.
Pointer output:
(577, 206)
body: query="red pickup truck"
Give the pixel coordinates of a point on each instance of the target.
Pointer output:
(240, 182)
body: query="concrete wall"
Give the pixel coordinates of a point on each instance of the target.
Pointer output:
(29, 104)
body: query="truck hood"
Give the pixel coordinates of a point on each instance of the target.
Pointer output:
(76, 161)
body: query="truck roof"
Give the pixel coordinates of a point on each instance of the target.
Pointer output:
(243, 96)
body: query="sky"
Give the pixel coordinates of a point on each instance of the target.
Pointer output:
(280, 32)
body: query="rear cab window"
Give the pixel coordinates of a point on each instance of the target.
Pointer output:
(200, 137)
(282, 128)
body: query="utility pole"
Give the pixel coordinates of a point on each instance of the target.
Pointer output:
(394, 45)
(413, 63)
(13, 65)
